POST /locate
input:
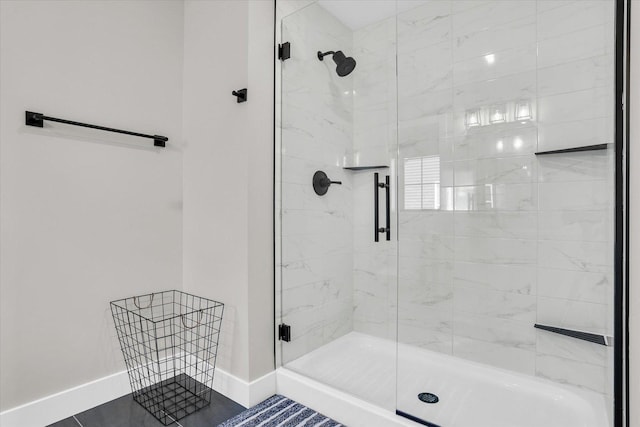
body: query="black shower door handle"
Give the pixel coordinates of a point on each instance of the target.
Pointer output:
(387, 187)
(376, 215)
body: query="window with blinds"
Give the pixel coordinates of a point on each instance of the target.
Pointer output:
(422, 183)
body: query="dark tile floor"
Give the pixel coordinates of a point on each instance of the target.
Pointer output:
(125, 412)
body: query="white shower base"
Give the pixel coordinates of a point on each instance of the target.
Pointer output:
(360, 371)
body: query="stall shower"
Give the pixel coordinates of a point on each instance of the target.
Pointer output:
(457, 267)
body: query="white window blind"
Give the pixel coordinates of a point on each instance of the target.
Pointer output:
(422, 183)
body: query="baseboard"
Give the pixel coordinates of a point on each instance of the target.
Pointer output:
(245, 393)
(340, 406)
(66, 403)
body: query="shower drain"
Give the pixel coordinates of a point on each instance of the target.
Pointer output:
(428, 398)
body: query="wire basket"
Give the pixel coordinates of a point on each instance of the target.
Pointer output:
(169, 341)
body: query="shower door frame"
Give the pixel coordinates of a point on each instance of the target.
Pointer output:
(621, 401)
(621, 406)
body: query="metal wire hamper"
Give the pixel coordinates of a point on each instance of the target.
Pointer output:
(169, 341)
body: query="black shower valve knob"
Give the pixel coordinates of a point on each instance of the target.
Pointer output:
(321, 183)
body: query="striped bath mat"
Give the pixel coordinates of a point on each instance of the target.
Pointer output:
(278, 411)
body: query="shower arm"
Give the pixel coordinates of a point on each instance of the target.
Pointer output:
(322, 55)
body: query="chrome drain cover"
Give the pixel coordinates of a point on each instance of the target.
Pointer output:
(428, 398)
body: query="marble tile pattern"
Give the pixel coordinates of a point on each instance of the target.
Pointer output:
(374, 143)
(575, 192)
(518, 238)
(316, 249)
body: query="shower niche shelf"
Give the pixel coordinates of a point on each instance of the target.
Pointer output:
(585, 336)
(364, 168)
(595, 147)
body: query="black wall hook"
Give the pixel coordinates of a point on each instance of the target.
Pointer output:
(241, 94)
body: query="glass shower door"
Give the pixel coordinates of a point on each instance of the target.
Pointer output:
(316, 230)
(492, 121)
(337, 269)
(505, 244)
(425, 209)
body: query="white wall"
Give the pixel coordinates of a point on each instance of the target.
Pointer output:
(634, 209)
(86, 216)
(89, 217)
(260, 188)
(228, 174)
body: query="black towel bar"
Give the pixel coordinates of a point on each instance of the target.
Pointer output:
(36, 119)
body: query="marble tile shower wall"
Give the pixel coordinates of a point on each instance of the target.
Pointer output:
(518, 239)
(374, 144)
(575, 193)
(317, 134)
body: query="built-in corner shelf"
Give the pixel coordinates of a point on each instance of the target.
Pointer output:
(575, 149)
(585, 336)
(364, 168)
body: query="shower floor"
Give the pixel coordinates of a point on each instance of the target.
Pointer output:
(470, 394)
(359, 364)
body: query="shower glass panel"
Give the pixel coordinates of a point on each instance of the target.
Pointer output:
(494, 239)
(491, 295)
(339, 284)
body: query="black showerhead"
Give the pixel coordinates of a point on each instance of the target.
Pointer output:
(344, 64)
